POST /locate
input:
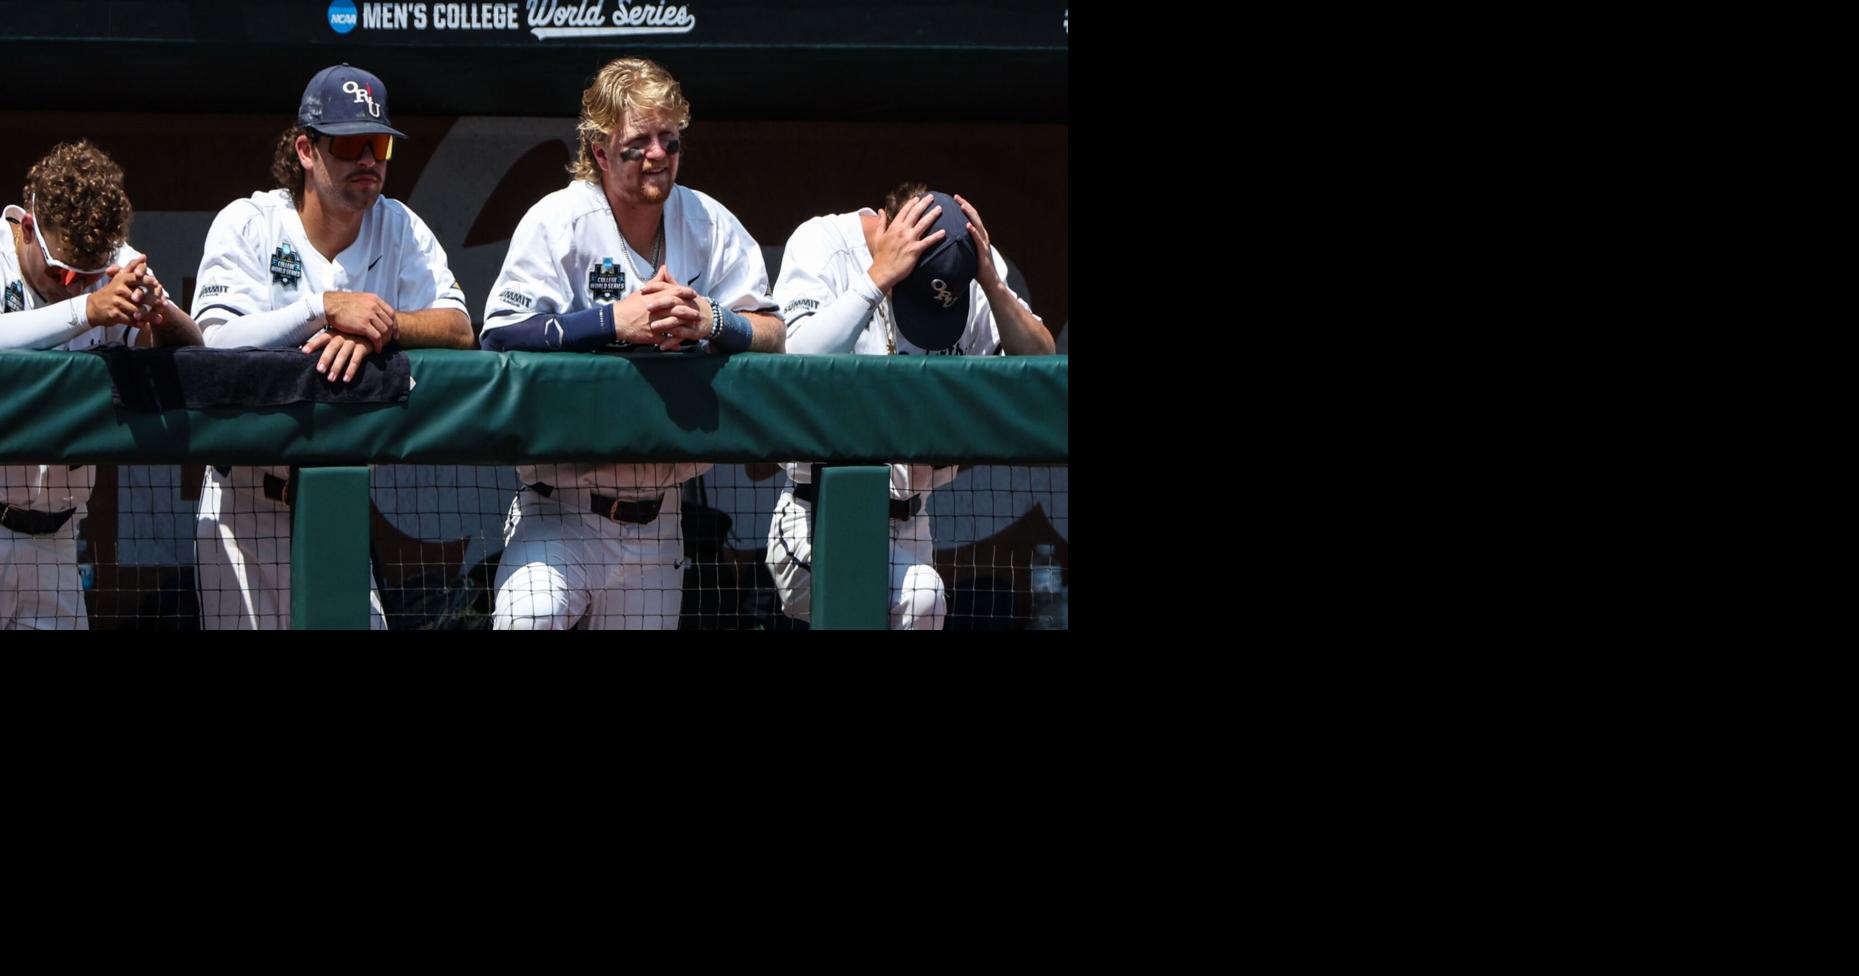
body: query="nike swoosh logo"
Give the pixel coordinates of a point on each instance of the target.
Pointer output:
(693, 281)
(376, 261)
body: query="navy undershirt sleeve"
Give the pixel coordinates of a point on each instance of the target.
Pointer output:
(553, 332)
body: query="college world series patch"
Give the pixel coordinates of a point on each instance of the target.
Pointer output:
(286, 266)
(605, 281)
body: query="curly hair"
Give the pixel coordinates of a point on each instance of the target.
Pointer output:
(286, 168)
(625, 86)
(77, 192)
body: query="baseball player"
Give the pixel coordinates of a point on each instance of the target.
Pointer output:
(327, 264)
(917, 278)
(69, 281)
(622, 254)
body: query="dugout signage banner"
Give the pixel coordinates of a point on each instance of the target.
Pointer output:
(1022, 25)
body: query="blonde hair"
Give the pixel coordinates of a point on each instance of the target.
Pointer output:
(626, 86)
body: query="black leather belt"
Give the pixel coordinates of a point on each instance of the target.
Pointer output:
(28, 522)
(618, 509)
(901, 510)
(276, 488)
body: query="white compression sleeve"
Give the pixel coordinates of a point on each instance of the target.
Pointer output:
(45, 327)
(292, 325)
(836, 328)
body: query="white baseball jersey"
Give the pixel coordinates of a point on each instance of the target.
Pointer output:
(48, 487)
(567, 255)
(824, 274)
(259, 259)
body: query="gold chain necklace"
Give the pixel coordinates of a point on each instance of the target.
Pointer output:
(890, 329)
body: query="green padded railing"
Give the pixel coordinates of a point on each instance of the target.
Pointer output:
(508, 408)
(505, 408)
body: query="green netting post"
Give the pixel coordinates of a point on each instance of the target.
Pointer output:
(852, 548)
(329, 573)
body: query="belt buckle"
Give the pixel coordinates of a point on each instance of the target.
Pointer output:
(613, 512)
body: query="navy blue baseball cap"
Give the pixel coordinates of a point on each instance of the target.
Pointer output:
(932, 304)
(345, 101)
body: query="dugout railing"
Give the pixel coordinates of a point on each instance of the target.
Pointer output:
(851, 413)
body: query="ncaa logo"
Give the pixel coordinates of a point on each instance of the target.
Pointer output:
(342, 16)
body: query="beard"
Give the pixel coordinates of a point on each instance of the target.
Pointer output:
(357, 196)
(642, 192)
(347, 194)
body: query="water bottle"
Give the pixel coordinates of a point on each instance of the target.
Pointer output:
(1046, 583)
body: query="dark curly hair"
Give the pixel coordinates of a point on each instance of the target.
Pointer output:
(77, 191)
(286, 168)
